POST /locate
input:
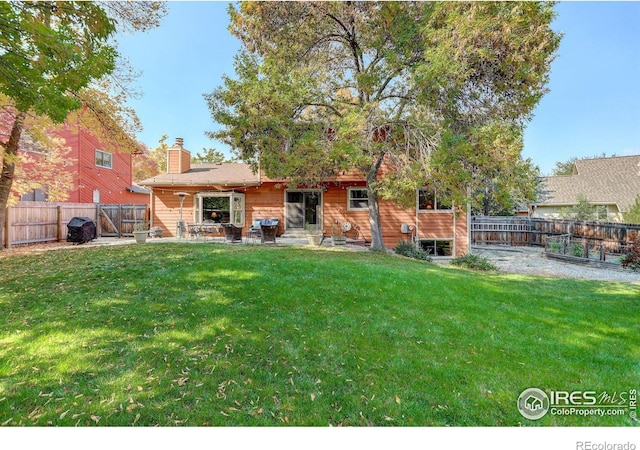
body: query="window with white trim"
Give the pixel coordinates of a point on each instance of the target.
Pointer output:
(437, 247)
(430, 200)
(219, 207)
(357, 199)
(104, 159)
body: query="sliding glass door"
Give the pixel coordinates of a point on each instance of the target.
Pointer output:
(303, 209)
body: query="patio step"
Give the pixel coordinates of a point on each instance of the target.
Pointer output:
(295, 234)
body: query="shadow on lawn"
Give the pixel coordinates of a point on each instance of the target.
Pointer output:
(203, 337)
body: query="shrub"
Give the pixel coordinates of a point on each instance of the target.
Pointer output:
(578, 250)
(407, 248)
(631, 259)
(556, 247)
(474, 262)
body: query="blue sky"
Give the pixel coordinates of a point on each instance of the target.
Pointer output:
(593, 106)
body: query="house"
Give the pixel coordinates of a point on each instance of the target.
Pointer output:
(99, 174)
(609, 183)
(233, 193)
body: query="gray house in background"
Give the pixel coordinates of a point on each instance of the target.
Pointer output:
(612, 183)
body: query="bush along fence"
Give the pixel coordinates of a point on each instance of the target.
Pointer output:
(40, 222)
(582, 250)
(596, 243)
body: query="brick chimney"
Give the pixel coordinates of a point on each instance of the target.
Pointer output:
(178, 157)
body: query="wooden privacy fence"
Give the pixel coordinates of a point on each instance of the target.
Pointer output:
(530, 231)
(37, 222)
(119, 220)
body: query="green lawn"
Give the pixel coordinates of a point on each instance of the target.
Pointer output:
(207, 334)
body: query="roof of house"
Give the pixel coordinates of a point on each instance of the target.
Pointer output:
(226, 174)
(614, 180)
(136, 189)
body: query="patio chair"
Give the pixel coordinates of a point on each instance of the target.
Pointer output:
(269, 230)
(255, 231)
(232, 233)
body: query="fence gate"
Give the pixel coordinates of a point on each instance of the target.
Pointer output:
(119, 220)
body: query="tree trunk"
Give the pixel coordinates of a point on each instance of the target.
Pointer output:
(371, 177)
(374, 220)
(374, 208)
(8, 169)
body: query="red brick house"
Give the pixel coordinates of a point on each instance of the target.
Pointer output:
(232, 193)
(100, 174)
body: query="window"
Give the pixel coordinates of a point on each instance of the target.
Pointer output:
(429, 200)
(104, 159)
(219, 207)
(358, 199)
(35, 195)
(437, 247)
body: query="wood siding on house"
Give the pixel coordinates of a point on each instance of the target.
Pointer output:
(268, 201)
(112, 183)
(265, 202)
(165, 208)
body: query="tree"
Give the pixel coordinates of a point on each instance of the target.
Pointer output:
(568, 167)
(159, 155)
(144, 166)
(633, 214)
(211, 156)
(565, 167)
(584, 210)
(41, 164)
(402, 86)
(508, 192)
(54, 58)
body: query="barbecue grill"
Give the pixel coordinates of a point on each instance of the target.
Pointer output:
(81, 230)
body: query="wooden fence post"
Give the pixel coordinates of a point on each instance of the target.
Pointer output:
(59, 220)
(7, 228)
(119, 220)
(98, 221)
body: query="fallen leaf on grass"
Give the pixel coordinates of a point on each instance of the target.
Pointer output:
(62, 416)
(96, 419)
(397, 400)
